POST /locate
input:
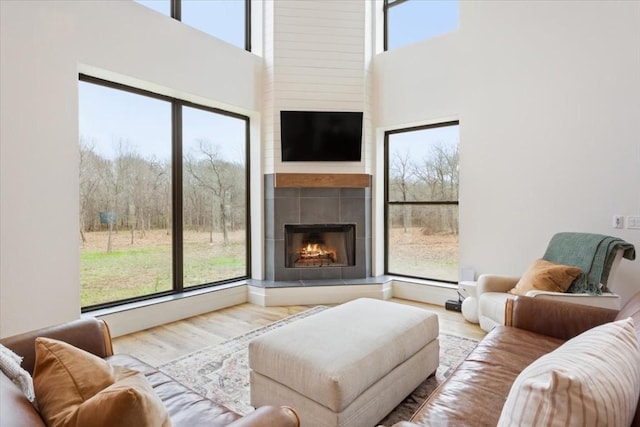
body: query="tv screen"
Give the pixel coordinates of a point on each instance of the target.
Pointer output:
(320, 136)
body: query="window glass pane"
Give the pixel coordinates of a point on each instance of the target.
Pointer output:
(423, 165)
(214, 197)
(423, 168)
(125, 195)
(423, 241)
(162, 6)
(416, 20)
(224, 19)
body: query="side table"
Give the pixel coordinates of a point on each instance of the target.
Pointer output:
(470, 304)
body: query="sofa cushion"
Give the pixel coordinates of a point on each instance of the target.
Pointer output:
(76, 388)
(545, 275)
(186, 407)
(477, 389)
(600, 387)
(15, 408)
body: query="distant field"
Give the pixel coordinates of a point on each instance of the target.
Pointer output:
(416, 254)
(145, 266)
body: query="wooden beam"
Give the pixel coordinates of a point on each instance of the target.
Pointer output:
(322, 180)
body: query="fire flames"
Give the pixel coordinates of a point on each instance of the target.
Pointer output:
(314, 251)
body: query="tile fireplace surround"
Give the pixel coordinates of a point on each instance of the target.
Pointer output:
(316, 199)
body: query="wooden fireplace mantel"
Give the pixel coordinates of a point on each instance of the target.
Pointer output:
(321, 180)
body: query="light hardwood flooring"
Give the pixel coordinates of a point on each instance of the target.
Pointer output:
(170, 341)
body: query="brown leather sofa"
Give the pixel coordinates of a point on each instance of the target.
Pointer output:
(474, 394)
(186, 407)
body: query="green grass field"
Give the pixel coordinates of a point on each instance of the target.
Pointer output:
(145, 267)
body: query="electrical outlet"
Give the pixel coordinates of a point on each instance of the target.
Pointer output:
(618, 221)
(633, 222)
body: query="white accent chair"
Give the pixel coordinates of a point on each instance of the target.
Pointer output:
(492, 292)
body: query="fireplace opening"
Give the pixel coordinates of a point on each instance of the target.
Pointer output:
(319, 245)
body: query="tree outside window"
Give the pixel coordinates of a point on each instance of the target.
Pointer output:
(422, 202)
(154, 221)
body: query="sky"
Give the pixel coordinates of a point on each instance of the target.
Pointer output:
(417, 144)
(108, 116)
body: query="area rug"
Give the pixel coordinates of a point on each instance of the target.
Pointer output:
(221, 372)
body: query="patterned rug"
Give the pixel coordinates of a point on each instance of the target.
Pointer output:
(221, 372)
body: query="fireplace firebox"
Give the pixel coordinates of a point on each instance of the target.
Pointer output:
(319, 245)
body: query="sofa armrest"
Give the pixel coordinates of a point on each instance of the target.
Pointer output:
(554, 318)
(269, 416)
(495, 283)
(89, 334)
(606, 300)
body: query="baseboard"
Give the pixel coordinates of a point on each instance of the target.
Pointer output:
(429, 294)
(315, 295)
(125, 320)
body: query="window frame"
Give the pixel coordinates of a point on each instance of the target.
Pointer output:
(175, 7)
(177, 193)
(388, 203)
(386, 5)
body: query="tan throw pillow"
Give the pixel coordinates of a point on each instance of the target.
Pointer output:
(76, 388)
(591, 380)
(545, 275)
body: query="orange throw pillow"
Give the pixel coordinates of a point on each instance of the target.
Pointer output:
(76, 388)
(545, 275)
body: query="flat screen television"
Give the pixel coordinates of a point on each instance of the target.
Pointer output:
(321, 136)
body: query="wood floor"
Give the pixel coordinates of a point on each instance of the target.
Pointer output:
(170, 341)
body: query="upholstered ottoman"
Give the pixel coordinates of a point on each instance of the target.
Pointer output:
(349, 365)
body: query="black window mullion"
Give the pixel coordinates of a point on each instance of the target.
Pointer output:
(247, 25)
(247, 194)
(176, 9)
(176, 139)
(386, 183)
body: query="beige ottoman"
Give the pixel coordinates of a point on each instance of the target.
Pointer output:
(349, 365)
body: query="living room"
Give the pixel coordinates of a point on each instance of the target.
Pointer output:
(537, 154)
(547, 95)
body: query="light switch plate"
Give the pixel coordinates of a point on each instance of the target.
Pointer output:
(633, 222)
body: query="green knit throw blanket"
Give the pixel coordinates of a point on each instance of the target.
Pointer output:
(592, 253)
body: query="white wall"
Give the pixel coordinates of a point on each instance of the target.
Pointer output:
(315, 60)
(548, 97)
(44, 44)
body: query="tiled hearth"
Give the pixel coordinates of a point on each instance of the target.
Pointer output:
(291, 205)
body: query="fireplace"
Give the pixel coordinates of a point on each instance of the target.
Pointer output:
(294, 213)
(319, 245)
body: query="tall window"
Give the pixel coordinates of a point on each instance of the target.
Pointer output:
(163, 194)
(409, 21)
(421, 200)
(228, 20)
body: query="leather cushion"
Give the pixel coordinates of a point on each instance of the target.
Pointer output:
(186, 407)
(15, 409)
(477, 389)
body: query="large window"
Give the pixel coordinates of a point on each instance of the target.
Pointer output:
(228, 20)
(421, 200)
(163, 194)
(409, 21)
